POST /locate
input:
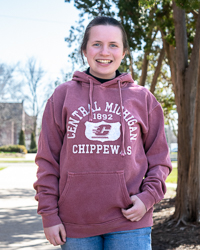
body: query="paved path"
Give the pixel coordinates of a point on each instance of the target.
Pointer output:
(20, 226)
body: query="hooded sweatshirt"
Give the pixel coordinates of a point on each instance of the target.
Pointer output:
(99, 145)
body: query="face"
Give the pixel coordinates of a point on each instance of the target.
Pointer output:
(104, 50)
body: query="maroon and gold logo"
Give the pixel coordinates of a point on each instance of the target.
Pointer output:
(102, 131)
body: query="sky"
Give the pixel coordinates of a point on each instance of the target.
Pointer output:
(36, 28)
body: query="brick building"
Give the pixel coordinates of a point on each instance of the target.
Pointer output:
(13, 119)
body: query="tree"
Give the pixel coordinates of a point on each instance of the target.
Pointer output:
(37, 93)
(33, 144)
(8, 87)
(187, 95)
(178, 23)
(22, 138)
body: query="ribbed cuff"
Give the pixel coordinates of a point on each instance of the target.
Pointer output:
(50, 220)
(147, 198)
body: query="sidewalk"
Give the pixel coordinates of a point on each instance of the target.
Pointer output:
(20, 226)
(27, 157)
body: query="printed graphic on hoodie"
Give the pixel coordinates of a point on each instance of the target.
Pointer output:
(102, 128)
(105, 130)
(102, 131)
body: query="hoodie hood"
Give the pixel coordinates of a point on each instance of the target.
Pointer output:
(118, 82)
(124, 78)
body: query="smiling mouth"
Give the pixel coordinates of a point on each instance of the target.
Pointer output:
(104, 61)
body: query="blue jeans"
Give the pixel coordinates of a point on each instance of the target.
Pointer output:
(138, 239)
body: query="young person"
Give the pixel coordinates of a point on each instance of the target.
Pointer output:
(102, 153)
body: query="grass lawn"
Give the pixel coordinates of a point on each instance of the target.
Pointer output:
(11, 155)
(14, 158)
(16, 161)
(172, 178)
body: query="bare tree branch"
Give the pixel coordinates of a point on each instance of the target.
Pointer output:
(6, 81)
(33, 75)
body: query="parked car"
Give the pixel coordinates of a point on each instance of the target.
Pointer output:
(174, 154)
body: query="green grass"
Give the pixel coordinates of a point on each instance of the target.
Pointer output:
(13, 158)
(17, 161)
(172, 178)
(11, 155)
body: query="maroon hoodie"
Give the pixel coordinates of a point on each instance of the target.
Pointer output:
(92, 159)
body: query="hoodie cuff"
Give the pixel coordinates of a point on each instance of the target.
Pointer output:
(147, 198)
(50, 220)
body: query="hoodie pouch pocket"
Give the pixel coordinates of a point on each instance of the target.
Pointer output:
(94, 197)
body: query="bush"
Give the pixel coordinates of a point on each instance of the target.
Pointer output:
(22, 138)
(13, 148)
(34, 150)
(33, 141)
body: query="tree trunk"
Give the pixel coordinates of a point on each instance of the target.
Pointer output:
(145, 64)
(187, 200)
(146, 61)
(170, 52)
(194, 172)
(181, 203)
(157, 70)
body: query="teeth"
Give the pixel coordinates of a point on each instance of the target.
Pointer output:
(104, 61)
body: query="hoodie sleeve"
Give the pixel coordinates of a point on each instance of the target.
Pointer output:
(159, 165)
(47, 159)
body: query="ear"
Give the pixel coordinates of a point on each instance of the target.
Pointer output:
(123, 55)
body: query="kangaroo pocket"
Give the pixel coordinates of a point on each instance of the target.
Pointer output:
(94, 197)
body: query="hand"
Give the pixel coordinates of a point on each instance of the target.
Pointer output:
(56, 235)
(137, 211)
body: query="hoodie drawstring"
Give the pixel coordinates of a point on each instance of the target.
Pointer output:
(121, 108)
(90, 98)
(122, 120)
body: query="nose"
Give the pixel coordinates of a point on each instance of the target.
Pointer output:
(105, 51)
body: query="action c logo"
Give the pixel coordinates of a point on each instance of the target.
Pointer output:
(102, 131)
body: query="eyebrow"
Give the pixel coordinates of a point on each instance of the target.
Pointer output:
(101, 41)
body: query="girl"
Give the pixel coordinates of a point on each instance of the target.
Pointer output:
(102, 152)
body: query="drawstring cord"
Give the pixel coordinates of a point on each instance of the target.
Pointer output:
(122, 120)
(121, 107)
(90, 97)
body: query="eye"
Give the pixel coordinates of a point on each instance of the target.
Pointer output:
(113, 45)
(96, 44)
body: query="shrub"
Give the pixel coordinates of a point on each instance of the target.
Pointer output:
(33, 141)
(34, 150)
(22, 138)
(13, 148)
